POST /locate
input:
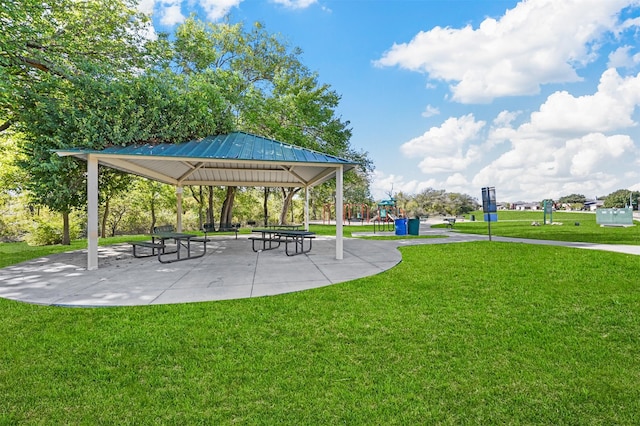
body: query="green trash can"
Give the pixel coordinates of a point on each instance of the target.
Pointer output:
(414, 226)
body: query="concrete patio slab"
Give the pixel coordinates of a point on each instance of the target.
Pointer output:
(228, 270)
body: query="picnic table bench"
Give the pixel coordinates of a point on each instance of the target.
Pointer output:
(158, 245)
(155, 248)
(272, 238)
(292, 227)
(224, 227)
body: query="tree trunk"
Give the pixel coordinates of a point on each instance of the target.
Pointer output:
(288, 197)
(66, 239)
(105, 216)
(210, 218)
(153, 214)
(265, 205)
(226, 215)
(200, 200)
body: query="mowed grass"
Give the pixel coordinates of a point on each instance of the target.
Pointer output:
(12, 253)
(518, 224)
(473, 333)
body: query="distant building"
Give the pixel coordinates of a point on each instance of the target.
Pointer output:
(592, 205)
(522, 205)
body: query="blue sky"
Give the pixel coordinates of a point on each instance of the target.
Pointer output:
(537, 98)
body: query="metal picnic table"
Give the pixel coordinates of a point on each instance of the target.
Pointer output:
(181, 240)
(271, 238)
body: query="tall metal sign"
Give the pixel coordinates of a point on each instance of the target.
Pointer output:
(489, 206)
(547, 206)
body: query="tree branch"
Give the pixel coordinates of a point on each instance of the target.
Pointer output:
(4, 126)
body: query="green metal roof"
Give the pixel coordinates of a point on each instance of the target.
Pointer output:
(237, 158)
(233, 146)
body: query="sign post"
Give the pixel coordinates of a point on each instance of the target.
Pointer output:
(489, 206)
(547, 206)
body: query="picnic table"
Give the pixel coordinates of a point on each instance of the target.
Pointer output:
(158, 246)
(181, 240)
(270, 239)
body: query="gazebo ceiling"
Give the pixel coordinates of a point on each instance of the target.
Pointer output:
(235, 159)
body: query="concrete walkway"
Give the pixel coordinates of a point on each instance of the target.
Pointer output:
(229, 270)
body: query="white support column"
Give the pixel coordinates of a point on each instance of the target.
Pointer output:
(339, 212)
(92, 212)
(306, 208)
(179, 208)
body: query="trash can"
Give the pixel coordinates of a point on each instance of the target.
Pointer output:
(401, 226)
(414, 226)
(473, 218)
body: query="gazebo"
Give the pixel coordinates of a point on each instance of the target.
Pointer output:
(235, 159)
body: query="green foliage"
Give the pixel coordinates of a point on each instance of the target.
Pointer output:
(65, 39)
(46, 231)
(108, 85)
(573, 199)
(621, 198)
(268, 88)
(438, 202)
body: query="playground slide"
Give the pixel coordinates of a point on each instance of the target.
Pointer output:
(387, 218)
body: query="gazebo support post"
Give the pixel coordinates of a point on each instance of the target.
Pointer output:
(339, 211)
(92, 212)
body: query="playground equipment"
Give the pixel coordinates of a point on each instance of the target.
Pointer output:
(351, 212)
(388, 212)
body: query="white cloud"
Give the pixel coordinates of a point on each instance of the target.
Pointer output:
(570, 145)
(622, 58)
(382, 184)
(218, 9)
(446, 148)
(295, 4)
(537, 42)
(610, 108)
(171, 14)
(146, 6)
(430, 111)
(456, 180)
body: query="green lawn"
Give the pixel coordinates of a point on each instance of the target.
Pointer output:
(518, 224)
(474, 333)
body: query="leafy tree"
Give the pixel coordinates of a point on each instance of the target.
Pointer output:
(66, 39)
(112, 183)
(432, 200)
(573, 199)
(49, 52)
(270, 91)
(621, 198)
(94, 99)
(61, 192)
(460, 204)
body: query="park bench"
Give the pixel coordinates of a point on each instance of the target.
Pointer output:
(450, 221)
